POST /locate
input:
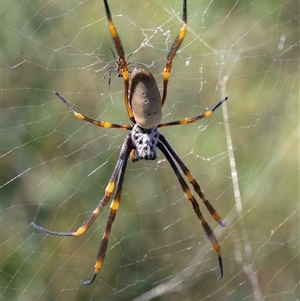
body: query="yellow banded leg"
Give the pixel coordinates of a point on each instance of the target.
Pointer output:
(195, 205)
(80, 116)
(175, 46)
(88, 222)
(195, 118)
(122, 61)
(125, 151)
(192, 180)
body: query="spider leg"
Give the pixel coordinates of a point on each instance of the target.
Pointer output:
(195, 118)
(121, 59)
(88, 222)
(176, 44)
(126, 149)
(109, 70)
(108, 192)
(192, 180)
(103, 124)
(195, 204)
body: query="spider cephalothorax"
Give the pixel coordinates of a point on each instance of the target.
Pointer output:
(144, 107)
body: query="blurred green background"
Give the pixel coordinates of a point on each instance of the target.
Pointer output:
(54, 168)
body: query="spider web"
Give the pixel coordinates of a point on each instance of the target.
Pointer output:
(54, 168)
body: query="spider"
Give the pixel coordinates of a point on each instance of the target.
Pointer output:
(144, 107)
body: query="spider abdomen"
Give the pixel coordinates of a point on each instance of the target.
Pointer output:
(145, 99)
(144, 141)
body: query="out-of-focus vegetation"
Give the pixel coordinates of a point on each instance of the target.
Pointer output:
(54, 168)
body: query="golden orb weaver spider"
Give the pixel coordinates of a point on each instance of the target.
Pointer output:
(144, 107)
